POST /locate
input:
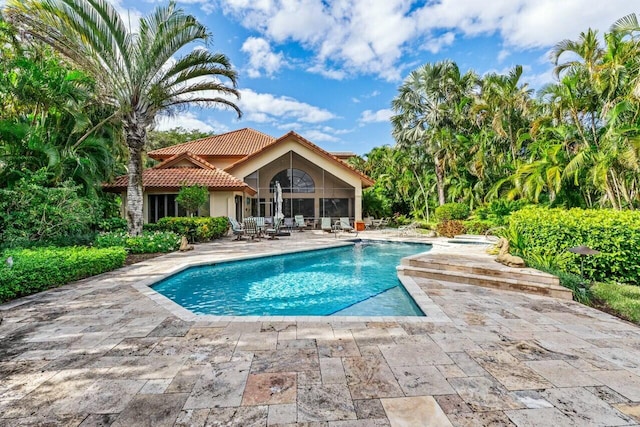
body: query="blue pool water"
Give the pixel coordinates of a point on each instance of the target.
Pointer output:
(357, 280)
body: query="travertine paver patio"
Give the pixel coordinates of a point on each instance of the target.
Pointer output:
(100, 352)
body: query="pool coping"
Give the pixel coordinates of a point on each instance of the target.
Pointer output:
(432, 312)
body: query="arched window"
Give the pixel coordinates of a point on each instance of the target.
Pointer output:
(293, 181)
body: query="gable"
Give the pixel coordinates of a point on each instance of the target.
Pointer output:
(299, 145)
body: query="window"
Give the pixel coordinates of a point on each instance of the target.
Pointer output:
(335, 207)
(293, 181)
(161, 205)
(304, 207)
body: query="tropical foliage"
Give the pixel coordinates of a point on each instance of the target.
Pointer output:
(136, 74)
(477, 139)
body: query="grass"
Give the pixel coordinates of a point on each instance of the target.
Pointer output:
(623, 299)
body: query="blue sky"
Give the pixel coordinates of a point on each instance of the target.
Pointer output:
(329, 69)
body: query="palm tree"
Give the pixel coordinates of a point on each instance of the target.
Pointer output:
(430, 110)
(136, 73)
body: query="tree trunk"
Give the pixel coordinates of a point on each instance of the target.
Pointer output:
(136, 136)
(440, 181)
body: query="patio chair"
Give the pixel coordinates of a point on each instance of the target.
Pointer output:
(251, 228)
(325, 224)
(368, 222)
(261, 224)
(384, 222)
(376, 223)
(237, 228)
(288, 223)
(408, 230)
(273, 230)
(344, 224)
(300, 224)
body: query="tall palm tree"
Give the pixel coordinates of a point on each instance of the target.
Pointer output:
(136, 73)
(429, 111)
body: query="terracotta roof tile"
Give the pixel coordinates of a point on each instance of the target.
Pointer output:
(365, 179)
(241, 142)
(214, 179)
(196, 160)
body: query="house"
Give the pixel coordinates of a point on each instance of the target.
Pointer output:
(240, 170)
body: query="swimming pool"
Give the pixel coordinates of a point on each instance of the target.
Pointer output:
(354, 280)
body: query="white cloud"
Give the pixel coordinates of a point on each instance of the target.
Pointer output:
(261, 57)
(503, 54)
(316, 135)
(130, 15)
(369, 116)
(265, 107)
(188, 121)
(365, 37)
(435, 44)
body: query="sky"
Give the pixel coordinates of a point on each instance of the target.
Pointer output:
(330, 69)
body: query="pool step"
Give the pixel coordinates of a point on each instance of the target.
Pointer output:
(483, 271)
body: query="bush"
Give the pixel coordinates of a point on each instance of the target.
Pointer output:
(450, 228)
(200, 229)
(113, 224)
(457, 211)
(616, 234)
(151, 226)
(32, 212)
(477, 226)
(498, 211)
(35, 270)
(147, 243)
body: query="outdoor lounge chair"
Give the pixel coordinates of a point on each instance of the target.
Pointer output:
(300, 224)
(251, 228)
(237, 228)
(325, 224)
(344, 225)
(408, 230)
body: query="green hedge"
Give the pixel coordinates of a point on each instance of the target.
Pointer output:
(35, 270)
(551, 232)
(147, 243)
(456, 211)
(197, 229)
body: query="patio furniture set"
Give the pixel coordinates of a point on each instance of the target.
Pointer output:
(259, 227)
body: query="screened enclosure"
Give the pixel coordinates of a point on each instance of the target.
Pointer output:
(307, 189)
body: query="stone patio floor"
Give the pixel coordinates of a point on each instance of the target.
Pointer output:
(101, 352)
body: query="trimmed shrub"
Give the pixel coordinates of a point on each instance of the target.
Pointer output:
(551, 232)
(450, 228)
(35, 270)
(457, 211)
(113, 224)
(147, 243)
(477, 226)
(197, 229)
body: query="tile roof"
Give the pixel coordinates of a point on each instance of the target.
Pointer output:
(195, 160)
(365, 179)
(167, 177)
(176, 178)
(240, 142)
